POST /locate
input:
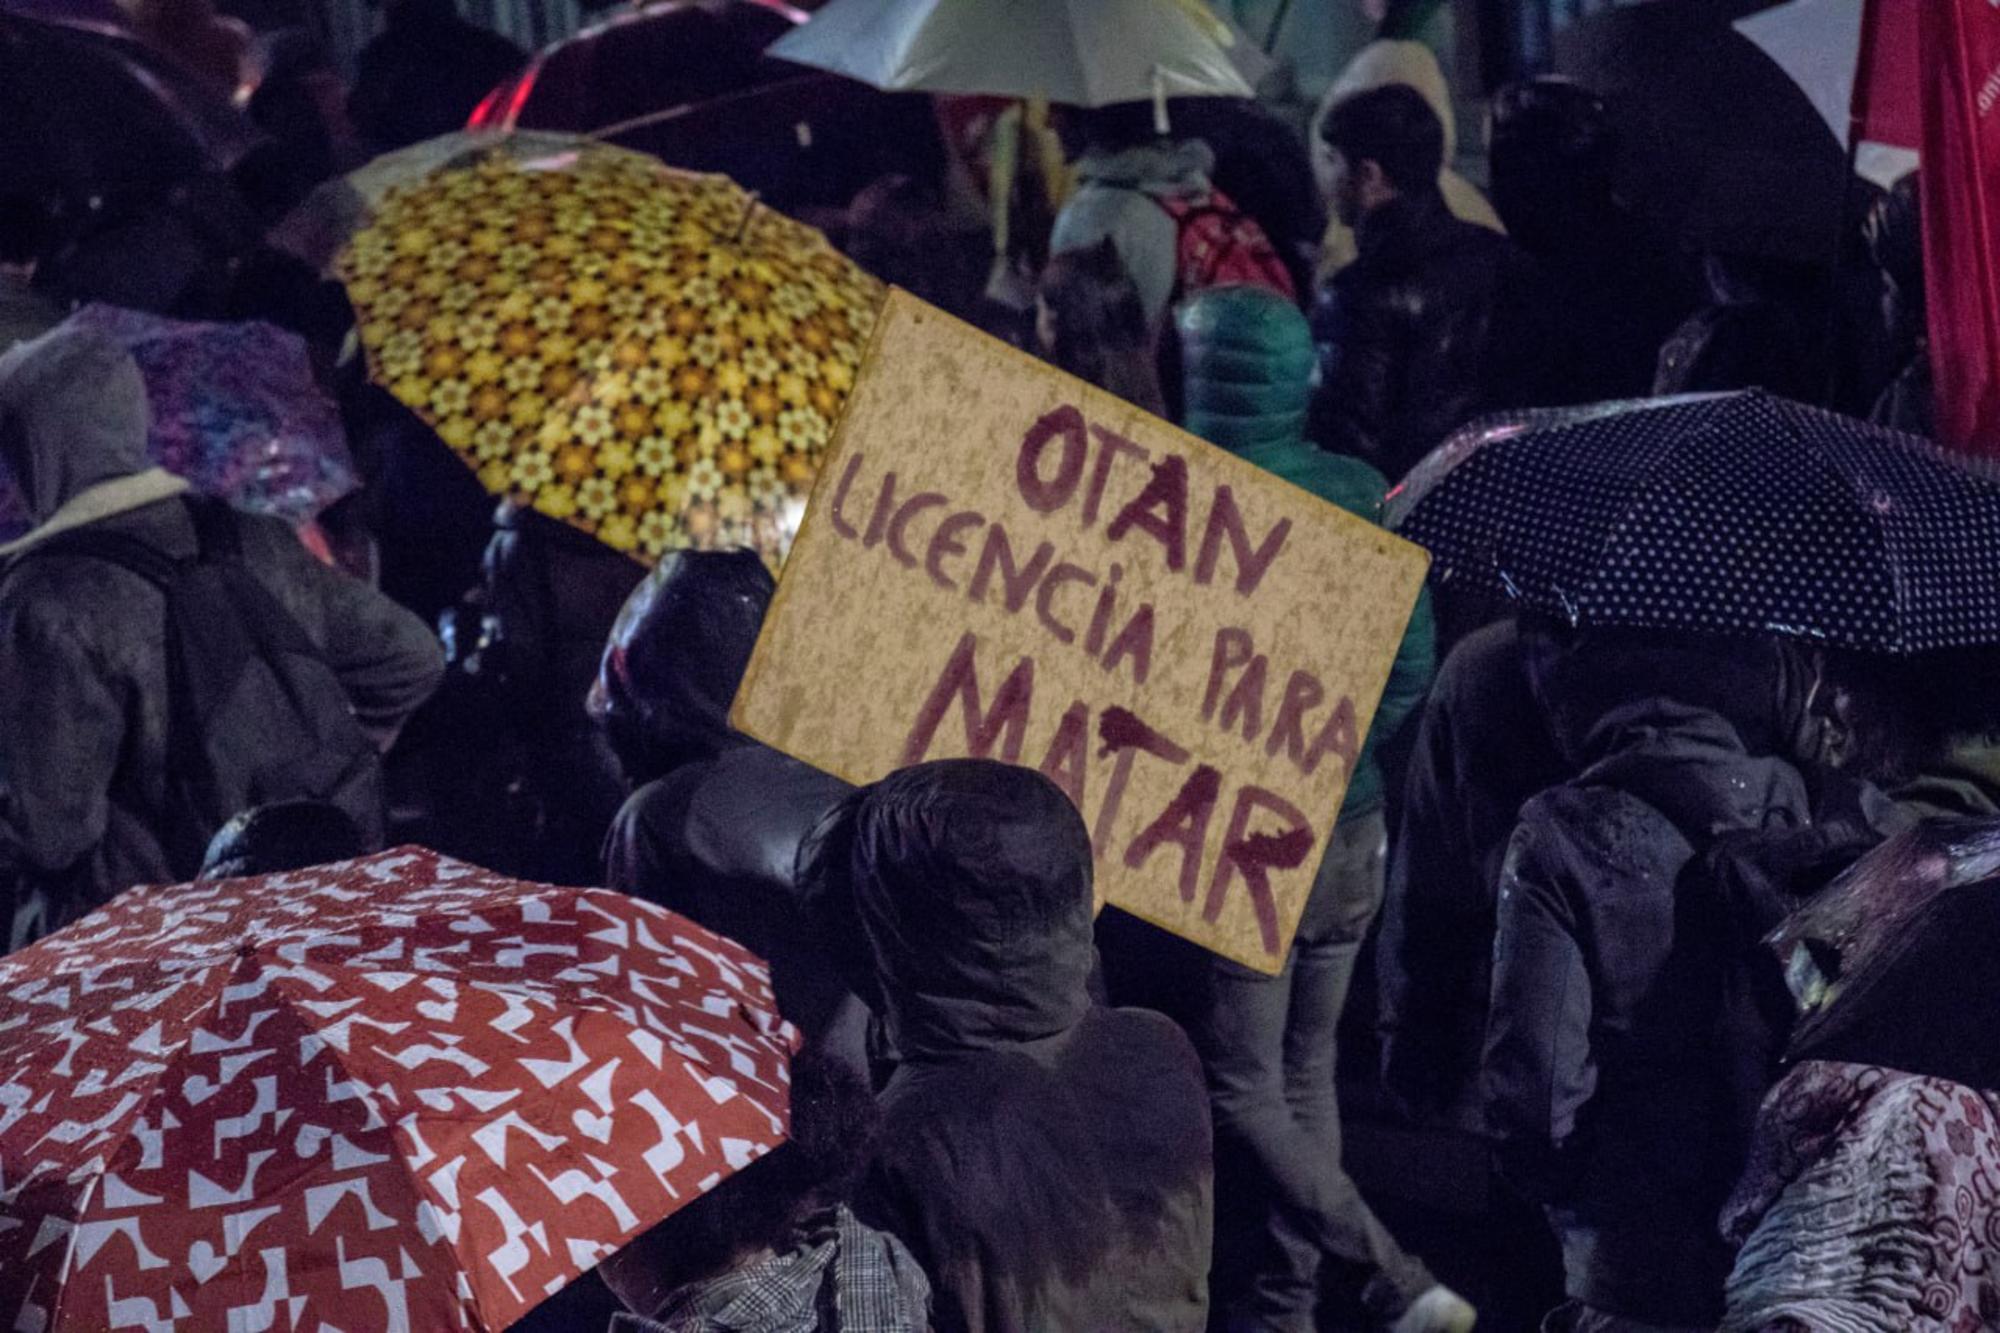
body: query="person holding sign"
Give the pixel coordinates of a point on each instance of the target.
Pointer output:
(1004, 563)
(1268, 1042)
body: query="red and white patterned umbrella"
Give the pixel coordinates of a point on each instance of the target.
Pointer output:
(400, 1093)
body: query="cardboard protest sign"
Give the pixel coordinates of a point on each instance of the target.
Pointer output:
(1003, 562)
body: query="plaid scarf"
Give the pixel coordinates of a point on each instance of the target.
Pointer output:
(838, 1277)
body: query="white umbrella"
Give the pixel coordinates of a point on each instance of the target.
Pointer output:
(1818, 43)
(1077, 52)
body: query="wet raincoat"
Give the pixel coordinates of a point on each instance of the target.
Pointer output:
(1048, 1162)
(1482, 750)
(715, 829)
(1602, 1087)
(84, 702)
(1435, 321)
(554, 594)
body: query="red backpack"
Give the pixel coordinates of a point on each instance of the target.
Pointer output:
(1222, 246)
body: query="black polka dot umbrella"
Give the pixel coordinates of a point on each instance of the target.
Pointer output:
(1724, 513)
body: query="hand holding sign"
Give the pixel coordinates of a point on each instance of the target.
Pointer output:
(1000, 561)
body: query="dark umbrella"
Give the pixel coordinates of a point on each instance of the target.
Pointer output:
(1717, 140)
(667, 54)
(91, 112)
(803, 144)
(687, 81)
(1724, 513)
(1892, 965)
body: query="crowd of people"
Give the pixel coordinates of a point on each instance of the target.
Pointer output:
(1553, 876)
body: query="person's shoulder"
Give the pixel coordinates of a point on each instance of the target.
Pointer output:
(663, 802)
(645, 847)
(264, 533)
(1142, 1052)
(45, 599)
(1141, 1033)
(1589, 832)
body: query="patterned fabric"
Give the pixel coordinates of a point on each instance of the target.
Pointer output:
(1872, 1202)
(236, 413)
(1735, 513)
(841, 1277)
(645, 354)
(399, 1093)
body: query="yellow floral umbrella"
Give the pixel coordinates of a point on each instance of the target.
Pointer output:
(646, 354)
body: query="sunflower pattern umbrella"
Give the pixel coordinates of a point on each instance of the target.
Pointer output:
(648, 355)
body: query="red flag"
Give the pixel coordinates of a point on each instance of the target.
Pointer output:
(1885, 106)
(1959, 45)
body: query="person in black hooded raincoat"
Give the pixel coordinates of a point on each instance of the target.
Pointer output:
(1049, 1162)
(714, 828)
(1603, 1086)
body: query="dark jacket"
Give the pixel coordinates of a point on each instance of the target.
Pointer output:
(717, 840)
(554, 593)
(1909, 403)
(1482, 750)
(1619, 290)
(1602, 1089)
(83, 677)
(1248, 358)
(1738, 345)
(1048, 1162)
(714, 833)
(424, 75)
(1426, 329)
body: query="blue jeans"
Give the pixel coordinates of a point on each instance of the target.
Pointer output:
(1268, 1044)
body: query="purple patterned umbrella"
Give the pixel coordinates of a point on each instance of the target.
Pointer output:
(236, 412)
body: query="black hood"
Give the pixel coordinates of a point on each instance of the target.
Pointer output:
(676, 657)
(963, 891)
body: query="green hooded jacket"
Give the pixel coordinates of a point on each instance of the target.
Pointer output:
(1248, 357)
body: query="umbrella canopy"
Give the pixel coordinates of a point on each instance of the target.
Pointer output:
(1715, 139)
(1892, 964)
(1724, 513)
(396, 1093)
(650, 356)
(1078, 52)
(1855, 78)
(236, 413)
(811, 141)
(689, 82)
(92, 112)
(642, 60)
(325, 221)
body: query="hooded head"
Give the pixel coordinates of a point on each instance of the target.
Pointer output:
(675, 658)
(963, 888)
(1593, 684)
(290, 835)
(1247, 359)
(73, 414)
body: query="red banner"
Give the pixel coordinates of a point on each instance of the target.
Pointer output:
(1959, 46)
(1886, 109)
